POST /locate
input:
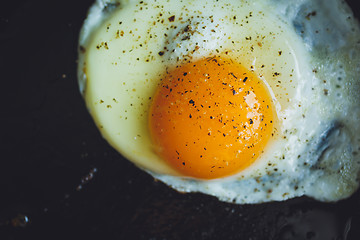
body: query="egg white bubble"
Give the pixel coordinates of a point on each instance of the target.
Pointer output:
(306, 52)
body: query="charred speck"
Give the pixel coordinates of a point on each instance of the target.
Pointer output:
(192, 102)
(187, 28)
(251, 121)
(82, 49)
(185, 73)
(185, 38)
(312, 14)
(246, 78)
(20, 220)
(161, 53)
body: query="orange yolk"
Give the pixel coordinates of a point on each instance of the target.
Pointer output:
(211, 118)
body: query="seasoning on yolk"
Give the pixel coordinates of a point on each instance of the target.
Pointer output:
(211, 118)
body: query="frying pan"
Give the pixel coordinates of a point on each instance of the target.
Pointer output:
(59, 179)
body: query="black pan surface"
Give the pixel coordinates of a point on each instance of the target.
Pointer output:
(60, 180)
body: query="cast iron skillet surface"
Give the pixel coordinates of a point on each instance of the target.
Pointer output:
(60, 180)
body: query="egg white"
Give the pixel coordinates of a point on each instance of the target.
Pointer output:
(126, 47)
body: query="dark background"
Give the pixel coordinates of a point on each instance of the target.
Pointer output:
(60, 180)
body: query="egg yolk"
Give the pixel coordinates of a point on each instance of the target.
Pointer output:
(211, 118)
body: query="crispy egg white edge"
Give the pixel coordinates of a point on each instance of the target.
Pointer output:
(229, 192)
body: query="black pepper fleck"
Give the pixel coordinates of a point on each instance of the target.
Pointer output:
(172, 18)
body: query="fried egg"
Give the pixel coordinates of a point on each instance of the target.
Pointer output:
(247, 101)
